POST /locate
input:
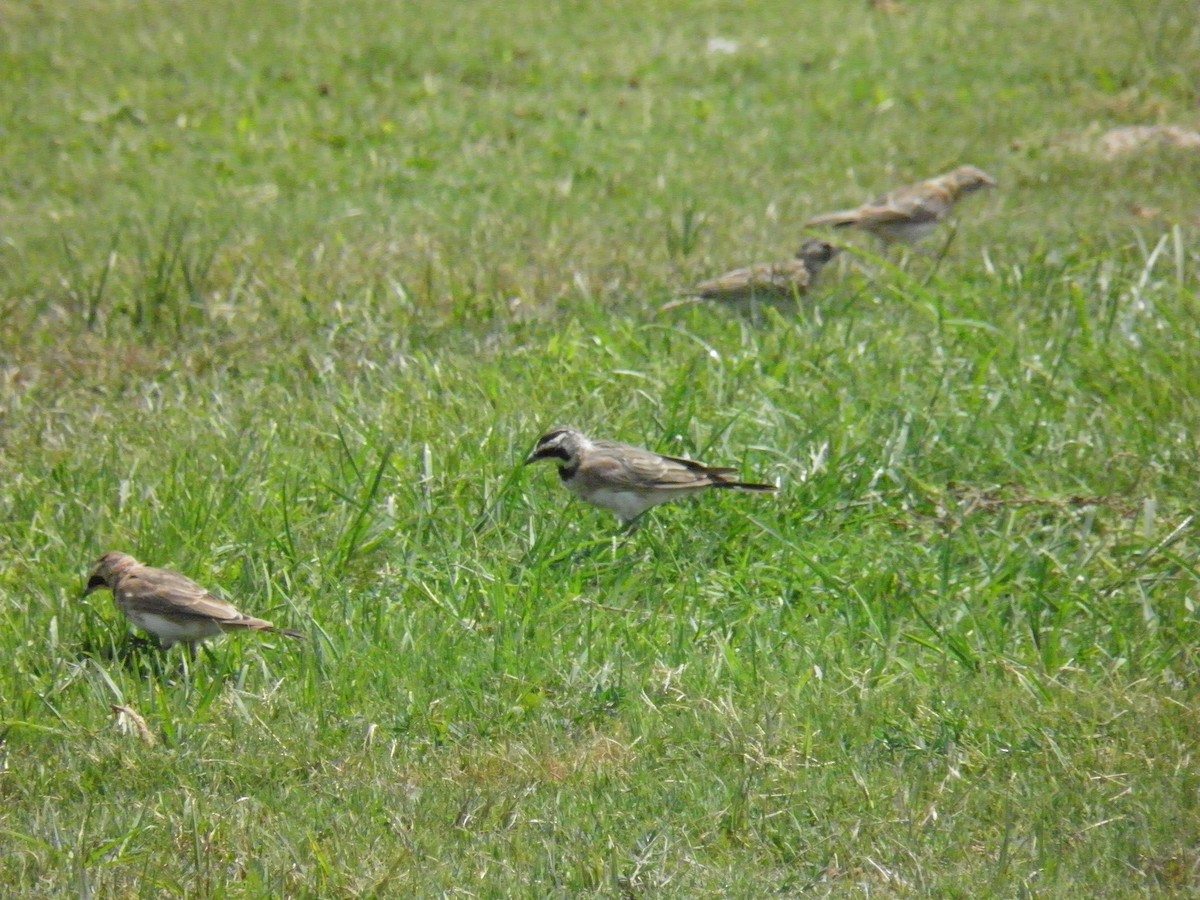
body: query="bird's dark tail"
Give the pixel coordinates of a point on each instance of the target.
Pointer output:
(747, 486)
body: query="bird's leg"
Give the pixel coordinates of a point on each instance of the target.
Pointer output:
(628, 533)
(941, 254)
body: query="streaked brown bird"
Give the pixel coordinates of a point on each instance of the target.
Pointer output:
(628, 480)
(171, 607)
(911, 213)
(786, 280)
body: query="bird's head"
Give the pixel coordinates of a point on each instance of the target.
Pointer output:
(106, 571)
(968, 179)
(815, 254)
(560, 443)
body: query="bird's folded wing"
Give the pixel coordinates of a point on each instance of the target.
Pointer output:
(782, 275)
(730, 281)
(698, 468)
(914, 211)
(161, 590)
(641, 471)
(671, 472)
(765, 277)
(921, 203)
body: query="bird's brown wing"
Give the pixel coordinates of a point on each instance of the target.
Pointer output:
(730, 282)
(766, 278)
(698, 468)
(927, 201)
(157, 590)
(633, 468)
(918, 203)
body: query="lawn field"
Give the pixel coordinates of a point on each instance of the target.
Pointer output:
(288, 292)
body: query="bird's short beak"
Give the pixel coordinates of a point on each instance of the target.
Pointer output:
(533, 457)
(94, 584)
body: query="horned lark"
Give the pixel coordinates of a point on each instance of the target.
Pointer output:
(628, 480)
(171, 607)
(766, 281)
(910, 213)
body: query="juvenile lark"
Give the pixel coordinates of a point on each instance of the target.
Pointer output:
(628, 480)
(910, 213)
(766, 281)
(171, 607)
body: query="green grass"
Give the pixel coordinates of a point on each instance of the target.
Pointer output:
(288, 292)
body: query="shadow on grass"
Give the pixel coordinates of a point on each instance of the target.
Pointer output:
(147, 659)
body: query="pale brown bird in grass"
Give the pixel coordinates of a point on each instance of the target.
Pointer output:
(908, 214)
(766, 281)
(628, 480)
(171, 607)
